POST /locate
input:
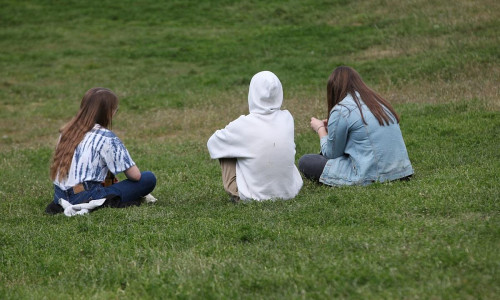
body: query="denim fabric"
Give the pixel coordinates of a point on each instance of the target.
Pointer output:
(358, 153)
(93, 190)
(128, 190)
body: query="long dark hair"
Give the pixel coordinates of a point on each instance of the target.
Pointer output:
(98, 106)
(345, 80)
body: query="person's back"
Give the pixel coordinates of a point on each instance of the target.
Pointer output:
(87, 152)
(378, 153)
(272, 158)
(88, 163)
(261, 145)
(361, 141)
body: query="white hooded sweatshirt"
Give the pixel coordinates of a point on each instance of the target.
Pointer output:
(262, 142)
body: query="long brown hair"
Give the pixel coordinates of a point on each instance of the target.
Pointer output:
(345, 80)
(98, 106)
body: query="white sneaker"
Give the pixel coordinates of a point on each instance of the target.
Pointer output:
(149, 199)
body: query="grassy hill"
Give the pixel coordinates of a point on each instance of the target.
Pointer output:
(181, 70)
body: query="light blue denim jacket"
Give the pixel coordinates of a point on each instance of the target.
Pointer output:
(358, 153)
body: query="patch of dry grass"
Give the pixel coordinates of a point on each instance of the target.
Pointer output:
(473, 83)
(457, 19)
(199, 123)
(176, 125)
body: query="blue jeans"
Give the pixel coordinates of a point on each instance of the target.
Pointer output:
(127, 190)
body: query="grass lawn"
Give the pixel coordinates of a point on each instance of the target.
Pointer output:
(181, 70)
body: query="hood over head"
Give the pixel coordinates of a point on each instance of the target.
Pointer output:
(265, 94)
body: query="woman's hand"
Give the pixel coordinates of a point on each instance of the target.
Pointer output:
(316, 124)
(319, 126)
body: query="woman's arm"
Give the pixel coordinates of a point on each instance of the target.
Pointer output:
(333, 143)
(233, 140)
(133, 173)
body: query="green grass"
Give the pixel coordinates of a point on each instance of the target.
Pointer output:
(181, 70)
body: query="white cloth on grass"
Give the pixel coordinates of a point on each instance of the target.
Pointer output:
(262, 142)
(80, 209)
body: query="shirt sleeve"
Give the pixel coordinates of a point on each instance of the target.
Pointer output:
(219, 144)
(116, 156)
(333, 144)
(232, 141)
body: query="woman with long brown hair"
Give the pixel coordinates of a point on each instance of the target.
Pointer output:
(361, 141)
(88, 151)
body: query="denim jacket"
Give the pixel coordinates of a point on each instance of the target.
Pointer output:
(358, 153)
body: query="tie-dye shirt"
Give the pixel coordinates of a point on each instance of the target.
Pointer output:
(99, 151)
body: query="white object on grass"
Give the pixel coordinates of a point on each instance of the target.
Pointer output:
(79, 209)
(149, 198)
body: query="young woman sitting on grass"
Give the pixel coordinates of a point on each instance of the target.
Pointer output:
(361, 141)
(88, 150)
